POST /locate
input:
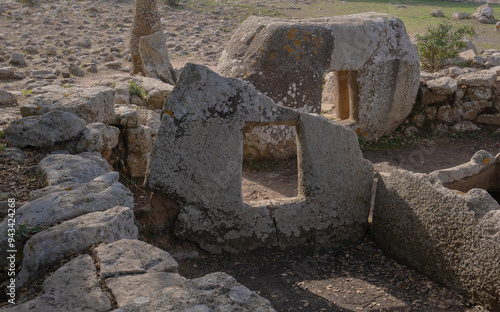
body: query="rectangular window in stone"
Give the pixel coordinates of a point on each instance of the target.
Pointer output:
(269, 171)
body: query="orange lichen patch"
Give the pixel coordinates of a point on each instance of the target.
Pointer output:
(66, 95)
(288, 48)
(272, 55)
(297, 43)
(68, 189)
(458, 192)
(306, 39)
(291, 33)
(260, 50)
(364, 134)
(38, 108)
(317, 41)
(298, 57)
(358, 130)
(487, 161)
(170, 113)
(260, 109)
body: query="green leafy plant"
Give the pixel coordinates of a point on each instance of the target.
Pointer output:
(137, 90)
(26, 92)
(24, 231)
(442, 42)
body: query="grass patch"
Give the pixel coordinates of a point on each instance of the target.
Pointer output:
(390, 142)
(235, 10)
(415, 14)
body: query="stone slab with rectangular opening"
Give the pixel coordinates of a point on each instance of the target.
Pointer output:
(197, 158)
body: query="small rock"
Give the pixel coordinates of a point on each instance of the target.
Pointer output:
(465, 126)
(460, 16)
(75, 70)
(489, 119)
(113, 65)
(6, 72)
(86, 43)
(443, 86)
(7, 98)
(12, 154)
(484, 14)
(17, 59)
(437, 13)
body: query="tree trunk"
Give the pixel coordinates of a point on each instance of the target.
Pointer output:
(146, 22)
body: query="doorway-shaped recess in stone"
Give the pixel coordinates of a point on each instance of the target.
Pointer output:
(266, 178)
(346, 95)
(340, 97)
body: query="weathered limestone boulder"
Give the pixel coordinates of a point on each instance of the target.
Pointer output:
(151, 119)
(122, 93)
(58, 203)
(12, 154)
(443, 86)
(130, 256)
(7, 73)
(460, 15)
(17, 59)
(157, 91)
(7, 98)
(95, 137)
(484, 14)
(286, 60)
(437, 13)
(126, 116)
(154, 56)
(196, 163)
(67, 202)
(94, 104)
(47, 248)
(449, 233)
(489, 119)
(138, 140)
(73, 287)
(213, 292)
(59, 168)
(44, 131)
(484, 78)
(137, 164)
(130, 287)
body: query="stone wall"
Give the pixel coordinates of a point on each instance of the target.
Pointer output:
(457, 99)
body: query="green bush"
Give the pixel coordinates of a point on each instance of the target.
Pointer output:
(137, 90)
(442, 42)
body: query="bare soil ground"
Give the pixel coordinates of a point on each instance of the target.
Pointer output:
(307, 278)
